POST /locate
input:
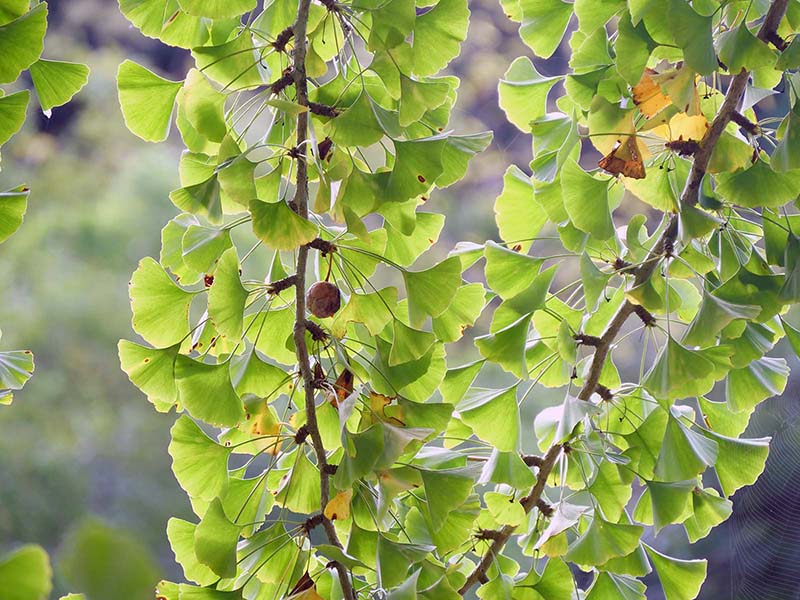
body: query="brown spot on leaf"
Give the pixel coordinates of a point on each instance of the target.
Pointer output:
(421, 178)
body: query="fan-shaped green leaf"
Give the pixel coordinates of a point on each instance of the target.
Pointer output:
(299, 489)
(543, 24)
(227, 297)
(761, 379)
(160, 307)
(235, 65)
(181, 539)
(26, 574)
(206, 392)
(160, 19)
(708, 511)
(152, 370)
(509, 273)
(57, 82)
(739, 49)
(22, 42)
(586, 201)
(217, 9)
(279, 227)
(199, 463)
(684, 453)
(523, 93)
(215, 539)
(12, 116)
(604, 540)
(445, 491)
(147, 101)
(438, 34)
(739, 461)
(494, 416)
(759, 185)
(431, 291)
(680, 579)
(518, 216)
(506, 347)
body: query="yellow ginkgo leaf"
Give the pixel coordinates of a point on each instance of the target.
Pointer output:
(648, 96)
(265, 429)
(338, 508)
(682, 127)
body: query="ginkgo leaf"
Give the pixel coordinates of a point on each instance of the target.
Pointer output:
(147, 101)
(217, 9)
(508, 468)
(739, 461)
(445, 491)
(180, 534)
(56, 82)
(714, 315)
(523, 93)
(13, 205)
(200, 464)
(160, 307)
(684, 452)
(679, 373)
(761, 379)
(299, 489)
(506, 347)
(604, 540)
(409, 344)
(610, 585)
(338, 508)
(279, 227)
(759, 185)
(234, 64)
(493, 416)
(648, 96)
(174, 27)
(708, 511)
(26, 574)
(586, 201)
(227, 297)
(215, 539)
(152, 370)
(12, 114)
(509, 273)
(517, 214)
(543, 24)
(206, 392)
(669, 501)
(739, 49)
(467, 306)
(431, 291)
(373, 309)
(22, 42)
(438, 34)
(680, 579)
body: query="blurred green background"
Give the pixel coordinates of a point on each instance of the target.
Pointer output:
(83, 464)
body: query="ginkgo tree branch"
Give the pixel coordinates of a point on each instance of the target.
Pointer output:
(736, 90)
(300, 205)
(603, 345)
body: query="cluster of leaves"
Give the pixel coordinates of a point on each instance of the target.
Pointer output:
(26, 572)
(22, 32)
(352, 422)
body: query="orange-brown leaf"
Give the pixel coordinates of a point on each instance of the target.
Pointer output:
(343, 385)
(625, 159)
